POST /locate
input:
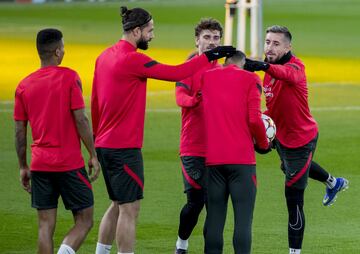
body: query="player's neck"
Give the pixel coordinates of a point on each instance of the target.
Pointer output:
(130, 40)
(48, 63)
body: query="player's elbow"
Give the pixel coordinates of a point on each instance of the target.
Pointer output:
(254, 121)
(81, 120)
(179, 102)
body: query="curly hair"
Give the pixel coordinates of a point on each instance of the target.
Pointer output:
(208, 24)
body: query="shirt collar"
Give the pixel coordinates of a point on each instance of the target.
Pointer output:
(284, 59)
(127, 45)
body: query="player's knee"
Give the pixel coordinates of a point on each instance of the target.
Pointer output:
(130, 210)
(196, 206)
(196, 200)
(84, 218)
(135, 209)
(46, 228)
(87, 224)
(47, 221)
(294, 196)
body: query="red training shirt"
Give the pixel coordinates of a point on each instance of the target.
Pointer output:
(46, 98)
(192, 137)
(231, 98)
(286, 96)
(119, 93)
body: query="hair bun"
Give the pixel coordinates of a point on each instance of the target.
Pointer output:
(124, 10)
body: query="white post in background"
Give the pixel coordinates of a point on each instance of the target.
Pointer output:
(254, 8)
(256, 42)
(241, 25)
(230, 8)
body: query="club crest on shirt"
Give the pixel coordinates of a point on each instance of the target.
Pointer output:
(268, 92)
(268, 89)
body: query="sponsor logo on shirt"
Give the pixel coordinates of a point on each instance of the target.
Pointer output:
(268, 92)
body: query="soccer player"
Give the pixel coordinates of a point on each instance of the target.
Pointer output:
(50, 99)
(231, 99)
(208, 35)
(286, 95)
(118, 110)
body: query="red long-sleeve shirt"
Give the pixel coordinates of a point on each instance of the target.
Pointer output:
(286, 94)
(192, 137)
(231, 99)
(119, 93)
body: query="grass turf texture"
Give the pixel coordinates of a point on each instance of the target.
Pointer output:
(323, 37)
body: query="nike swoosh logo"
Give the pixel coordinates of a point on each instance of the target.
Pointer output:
(216, 54)
(292, 174)
(299, 224)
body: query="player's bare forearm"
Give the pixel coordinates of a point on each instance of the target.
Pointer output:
(20, 142)
(86, 135)
(83, 128)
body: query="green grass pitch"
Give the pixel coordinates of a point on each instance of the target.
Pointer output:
(321, 28)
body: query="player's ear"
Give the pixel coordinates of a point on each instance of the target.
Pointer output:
(58, 52)
(136, 31)
(197, 41)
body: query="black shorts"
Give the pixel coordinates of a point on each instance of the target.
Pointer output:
(123, 172)
(194, 172)
(296, 162)
(73, 186)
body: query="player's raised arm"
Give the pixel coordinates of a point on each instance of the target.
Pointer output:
(291, 73)
(150, 68)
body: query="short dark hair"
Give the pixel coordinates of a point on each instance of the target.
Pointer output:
(132, 18)
(47, 41)
(237, 57)
(280, 29)
(208, 24)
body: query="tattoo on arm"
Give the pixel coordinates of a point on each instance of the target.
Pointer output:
(21, 142)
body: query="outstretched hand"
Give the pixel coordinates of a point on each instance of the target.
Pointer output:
(220, 52)
(252, 65)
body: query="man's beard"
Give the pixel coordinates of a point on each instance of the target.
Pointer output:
(272, 59)
(142, 44)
